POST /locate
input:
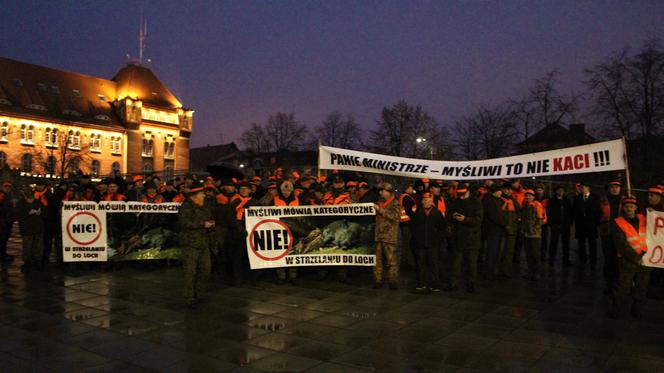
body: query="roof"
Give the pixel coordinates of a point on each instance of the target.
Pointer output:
(554, 133)
(140, 82)
(39, 91)
(200, 158)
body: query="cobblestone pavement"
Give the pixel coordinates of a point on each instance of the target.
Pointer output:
(133, 319)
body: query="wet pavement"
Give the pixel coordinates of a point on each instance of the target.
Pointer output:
(133, 319)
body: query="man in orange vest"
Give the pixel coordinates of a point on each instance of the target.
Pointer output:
(408, 208)
(239, 258)
(286, 197)
(510, 208)
(610, 209)
(533, 217)
(629, 237)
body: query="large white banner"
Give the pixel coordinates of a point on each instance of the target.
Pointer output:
(654, 257)
(296, 236)
(603, 156)
(83, 232)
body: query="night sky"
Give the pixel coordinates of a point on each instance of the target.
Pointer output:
(237, 62)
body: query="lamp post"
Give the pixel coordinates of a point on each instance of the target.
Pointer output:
(423, 140)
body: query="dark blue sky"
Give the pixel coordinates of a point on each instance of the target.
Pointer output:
(237, 62)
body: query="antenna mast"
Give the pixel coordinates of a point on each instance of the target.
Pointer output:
(142, 33)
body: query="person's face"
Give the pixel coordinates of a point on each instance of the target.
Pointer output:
(102, 188)
(319, 195)
(138, 184)
(529, 197)
(427, 203)
(560, 192)
(630, 209)
(464, 195)
(435, 190)
(198, 198)
(614, 190)
(507, 192)
(112, 188)
(498, 193)
(229, 189)
(6, 188)
(244, 191)
(286, 192)
(585, 189)
(654, 199)
(539, 191)
(516, 185)
(208, 192)
(40, 188)
(409, 190)
(338, 185)
(384, 194)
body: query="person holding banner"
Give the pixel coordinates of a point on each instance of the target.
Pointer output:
(429, 229)
(629, 237)
(31, 215)
(286, 197)
(337, 195)
(466, 215)
(195, 224)
(387, 233)
(238, 257)
(611, 208)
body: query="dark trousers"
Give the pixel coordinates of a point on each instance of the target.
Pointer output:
(427, 267)
(591, 253)
(610, 269)
(408, 251)
(533, 251)
(631, 288)
(52, 241)
(545, 242)
(494, 251)
(559, 233)
(5, 232)
(518, 245)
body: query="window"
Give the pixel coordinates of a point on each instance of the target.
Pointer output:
(51, 137)
(102, 98)
(50, 165)
(54, 137)
(169, 147)
(18, 83)
(74, 140)
(3, 159)
(94, 169)
(4, 132)
(148, 145)
(76, 93)
(55, 90)
(159, 116)
(27, 133)
(26, 163)
(115, 145)
(41, 87)
(168, 173)
(147, 168)
(73, 167)
(95, 143)
(115, 167)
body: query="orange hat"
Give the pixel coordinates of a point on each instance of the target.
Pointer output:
(351, 184)
(529, 191)
(461, 190)
(364, 184)
(427, 195)
(209, 178)
(234, 180)
(425, 180)
(271, 178)
(137, 178)
(322, 178)
(613, 183)
(209, 185)
(256, 178)
(295, 174)
(6, 183)
(272, 186)
(656, 190)
(629, 199)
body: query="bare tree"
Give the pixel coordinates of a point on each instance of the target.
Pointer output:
(544, 105)
(399, 127)
(490, 132)
(338, 131)
(65, 154)
(255, 139)
(284, 132)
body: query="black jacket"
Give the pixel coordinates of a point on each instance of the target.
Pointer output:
(428, 230)
(587, 215)
(495, 219)
(559, 211)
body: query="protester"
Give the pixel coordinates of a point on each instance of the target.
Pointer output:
(337, 195)
(532, 216)
(559, 218)
(31, 214)
(610, 206)
(408, 207)
(510, 208)
(629, 237)
(387, 232)
(429, 228)
(587, 215)
(238, 259)
(195, 227)
(286, 197)
(6, 219)
(493, 228)
(465, 215)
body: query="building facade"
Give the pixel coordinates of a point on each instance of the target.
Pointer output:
(56, 123)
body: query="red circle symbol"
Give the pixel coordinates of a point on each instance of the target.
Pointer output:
(272, 221)
(70, 234)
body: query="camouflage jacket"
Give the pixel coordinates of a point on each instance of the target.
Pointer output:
(387, 221)
(532, 218)
(192, 234)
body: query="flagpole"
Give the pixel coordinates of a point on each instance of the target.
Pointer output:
(319, 145)
(628, 181)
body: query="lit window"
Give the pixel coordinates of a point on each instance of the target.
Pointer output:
(74, 140)
(4, 132)
(31, 131)
(95, 143)
(24, 128)
(148, 145)
(73, 167)
(26, 134)
(115, 145)
(26, 163)
(50, 165)
(77, 140)
(102, 98)
(54, 137)
(94, 169)
(168, 173)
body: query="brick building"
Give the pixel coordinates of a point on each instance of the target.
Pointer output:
(60, 123)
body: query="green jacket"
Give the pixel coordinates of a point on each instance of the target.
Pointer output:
(192, 234)
(512, 217)
(466, 234)
(532, 218)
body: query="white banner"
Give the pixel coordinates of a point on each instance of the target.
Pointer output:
(83, 232)
(654, 257)
(603, 156)
(296, 236)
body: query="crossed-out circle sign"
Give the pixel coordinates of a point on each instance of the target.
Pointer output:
(86, 229)
(275, 239)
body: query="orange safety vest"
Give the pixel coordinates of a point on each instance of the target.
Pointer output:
(606, 210)
(508, 204)
(280, 202)
(403, 216)
(636, 240)
(239, 209)
(541, 213)
(39, 196)
(223, 199)
(157, 199)
(519, 195)
(441, 205)
(179, 198)
(113, 197)
(341, 199)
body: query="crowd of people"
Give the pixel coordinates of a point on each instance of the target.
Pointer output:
(448, 233)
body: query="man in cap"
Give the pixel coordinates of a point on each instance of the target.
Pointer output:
(559, 220)
(655, 200)
(195, 224)
(31, 214)
(136, 191)
(510, 207)
(387, 232)
(629, 236)
(408, 206)
(429, 228)
(239, 258)
(286, 197)
(465, 216)
(533, 216)
(610, 206)
(6, 219)
(493, 228)
(587, 215)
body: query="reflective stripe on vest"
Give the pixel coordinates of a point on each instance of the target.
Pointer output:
(280, 202)
(508, 204)
(239, 209)
(402, 214)
(636, 240)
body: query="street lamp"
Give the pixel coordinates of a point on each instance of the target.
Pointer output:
(420, 140)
